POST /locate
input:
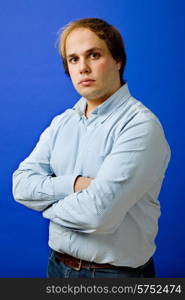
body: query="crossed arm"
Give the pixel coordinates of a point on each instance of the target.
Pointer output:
(138, 159)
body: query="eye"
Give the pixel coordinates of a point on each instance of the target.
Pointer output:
(73, 60)
(94, 55)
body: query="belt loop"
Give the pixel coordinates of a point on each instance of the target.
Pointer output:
(79, 266)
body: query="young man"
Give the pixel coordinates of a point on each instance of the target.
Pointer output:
(97, 170)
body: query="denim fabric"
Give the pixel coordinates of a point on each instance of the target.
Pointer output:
(57, 269)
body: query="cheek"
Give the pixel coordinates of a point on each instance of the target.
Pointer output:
(103, 66)
(73, 75)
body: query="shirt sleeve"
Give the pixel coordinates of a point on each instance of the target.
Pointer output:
(138, 159)
(34, 184)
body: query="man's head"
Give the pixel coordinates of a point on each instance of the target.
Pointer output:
(93, 49)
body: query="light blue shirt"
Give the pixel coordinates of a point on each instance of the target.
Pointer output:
(122, 146)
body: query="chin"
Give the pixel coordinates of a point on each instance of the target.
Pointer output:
(87, 95)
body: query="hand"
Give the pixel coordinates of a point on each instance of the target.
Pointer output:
(82, 183)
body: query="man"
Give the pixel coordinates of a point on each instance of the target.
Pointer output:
(97, 170)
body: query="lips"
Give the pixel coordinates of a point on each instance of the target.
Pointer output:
(86, 81)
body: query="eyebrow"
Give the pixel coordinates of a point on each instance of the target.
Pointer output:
(86, 52)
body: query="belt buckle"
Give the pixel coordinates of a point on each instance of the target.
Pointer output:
(79, 266)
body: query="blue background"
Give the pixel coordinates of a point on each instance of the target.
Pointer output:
(34, 89)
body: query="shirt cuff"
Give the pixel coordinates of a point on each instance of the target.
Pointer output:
(64, 185)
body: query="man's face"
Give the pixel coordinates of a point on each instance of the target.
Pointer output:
(93, 71)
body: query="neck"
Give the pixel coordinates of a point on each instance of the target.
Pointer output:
(93, 103)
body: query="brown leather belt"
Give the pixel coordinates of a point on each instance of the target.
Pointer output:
(77, 264)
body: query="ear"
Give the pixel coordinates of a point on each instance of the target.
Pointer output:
(118, 64)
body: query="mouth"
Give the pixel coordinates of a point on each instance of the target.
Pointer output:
(86, 82)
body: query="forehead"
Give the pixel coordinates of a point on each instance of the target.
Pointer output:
(83, 39)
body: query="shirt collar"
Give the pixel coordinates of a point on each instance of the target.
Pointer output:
(105, 109)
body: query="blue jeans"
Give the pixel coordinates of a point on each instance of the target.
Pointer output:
(57, 269)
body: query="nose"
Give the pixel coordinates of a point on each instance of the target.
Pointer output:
(84, 68)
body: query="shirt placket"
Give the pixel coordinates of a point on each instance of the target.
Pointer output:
(86, 126)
